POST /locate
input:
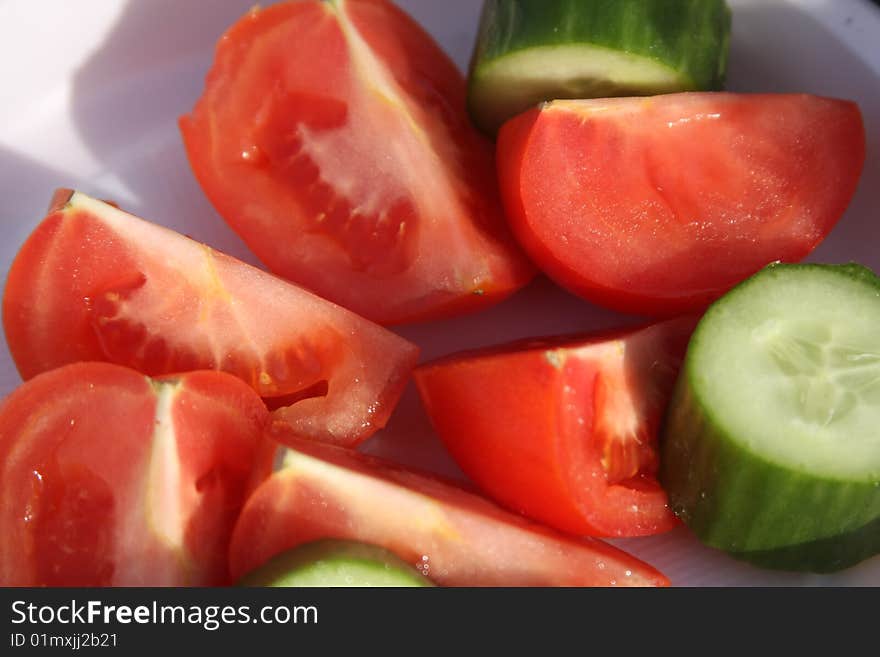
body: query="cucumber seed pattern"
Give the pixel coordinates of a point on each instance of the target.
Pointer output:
(828, 378)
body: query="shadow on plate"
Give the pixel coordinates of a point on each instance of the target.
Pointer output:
(127, 97)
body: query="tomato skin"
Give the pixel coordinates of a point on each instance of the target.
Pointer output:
(564, 430)
(93, 283)
(657, 206)
(455, 537)
(348, 164)
(28, 291)
(110, 479)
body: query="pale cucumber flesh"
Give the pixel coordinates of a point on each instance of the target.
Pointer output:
(523, 79)
(790, 366)
(336, 563)
(771, 447)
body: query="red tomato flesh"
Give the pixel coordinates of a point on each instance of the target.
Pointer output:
(564, 430)
(660, 205)
(108, 478)
(333, 137)
(93, 283)
(454, 537)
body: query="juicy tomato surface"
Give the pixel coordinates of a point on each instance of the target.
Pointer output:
(110, 478)
(659, 205)
(93, 283)
(332, 136)
(564, 430)
(453, 536)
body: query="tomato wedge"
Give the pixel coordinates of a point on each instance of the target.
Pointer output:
(659, 205)
(564, 430)
(454, 537)
(93, 283)
(110, 478)
(332, 136)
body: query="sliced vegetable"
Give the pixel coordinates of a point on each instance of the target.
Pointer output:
(93, 283)
(335, 563)
(110, 478)
(660, 205)
(772, 446)
(529, 51)
(454, 537)
(347, 163)
(564, 430)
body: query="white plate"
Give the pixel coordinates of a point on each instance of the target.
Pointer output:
(90, 93)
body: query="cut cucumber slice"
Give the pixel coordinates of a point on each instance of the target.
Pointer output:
(529, 51)
(771, 446)
(336, 563)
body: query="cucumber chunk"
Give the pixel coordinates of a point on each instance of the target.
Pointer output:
(529, 51)
(336, 563)
(771, 446)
